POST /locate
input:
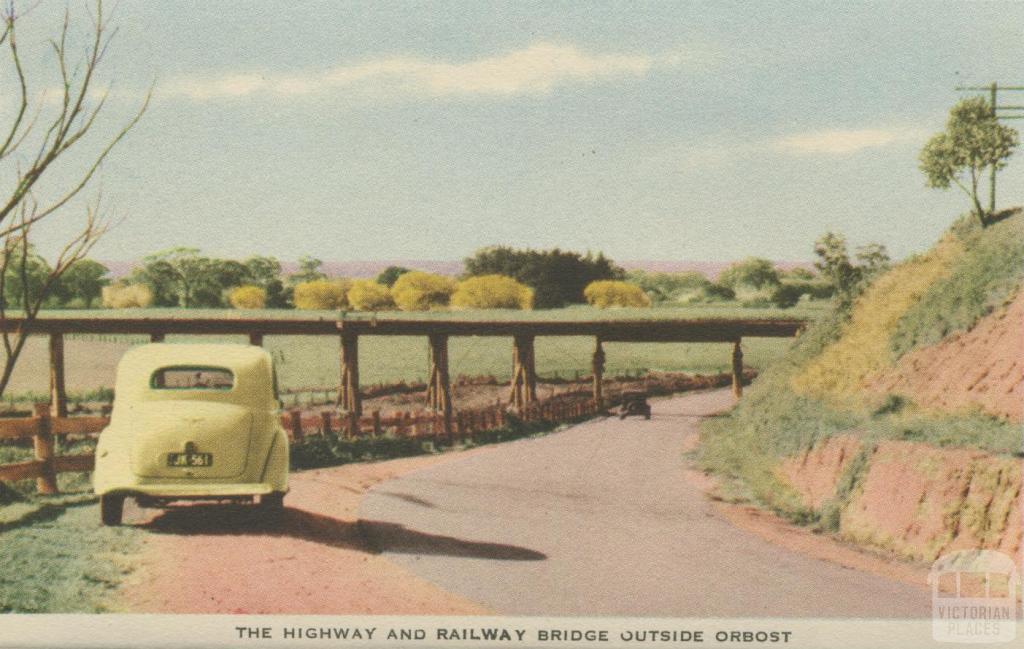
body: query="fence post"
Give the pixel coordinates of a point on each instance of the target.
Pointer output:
(737, 369)
(524, 372)
(376, 422)
(348, 396)
(597, 366)
(58, 391)
(296, 418)
(325, 423)
(353, 424)
(42, 443)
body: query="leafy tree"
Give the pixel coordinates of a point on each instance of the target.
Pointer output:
(265, 272)
(872, 259)
(848, 278)
(752, 272)
(390, 275)
(798, 273)
(834, 264)
(973, 140)
(83, 281)
(262, 270)
(309, 271)
(557, 277)
(25, 278)
(176, 276)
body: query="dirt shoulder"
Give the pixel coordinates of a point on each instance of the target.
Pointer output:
(311, 561)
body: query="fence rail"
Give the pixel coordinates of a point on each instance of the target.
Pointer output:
(42, 430)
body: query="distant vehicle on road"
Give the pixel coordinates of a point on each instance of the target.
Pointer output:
(192, 422)
(634, 402)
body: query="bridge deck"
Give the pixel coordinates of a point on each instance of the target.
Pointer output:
(675, 330)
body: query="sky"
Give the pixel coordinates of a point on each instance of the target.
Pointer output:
(411, 130)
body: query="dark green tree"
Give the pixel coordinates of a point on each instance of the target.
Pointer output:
(265, 272)
(557, 277)
(83, 282)
(390, 275)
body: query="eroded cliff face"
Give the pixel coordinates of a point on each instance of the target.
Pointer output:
(911, 498)
(982, 368)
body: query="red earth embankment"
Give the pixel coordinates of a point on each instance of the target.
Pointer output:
(911, 498)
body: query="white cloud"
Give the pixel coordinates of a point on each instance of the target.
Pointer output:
(535, 69)
(841, 142)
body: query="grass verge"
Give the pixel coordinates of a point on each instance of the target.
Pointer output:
(58, 559)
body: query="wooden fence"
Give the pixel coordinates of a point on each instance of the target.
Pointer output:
(42, 430)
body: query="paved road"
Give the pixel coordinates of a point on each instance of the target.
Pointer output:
(598, 520)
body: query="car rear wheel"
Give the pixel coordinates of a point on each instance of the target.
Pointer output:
(111, 509)
(273, 500)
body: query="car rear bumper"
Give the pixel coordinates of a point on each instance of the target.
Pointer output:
(198, 490)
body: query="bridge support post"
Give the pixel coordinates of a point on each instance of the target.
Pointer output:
(524, 372)
(737, 369)
(439, 391)
(58, 390)
(597, 365)
(348, 396)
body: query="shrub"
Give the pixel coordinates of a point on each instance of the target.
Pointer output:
(668, 287)
(367, 295)
(713, 293)
(492, 292)
(607, 293)
(752, 272)
(419, 291)
(127, 296)
(248, 297)
(321, 294)
(789, 292)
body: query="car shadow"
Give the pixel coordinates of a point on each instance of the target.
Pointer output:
(372, 537)
(409, 498)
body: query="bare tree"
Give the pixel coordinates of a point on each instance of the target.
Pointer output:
(35, 144)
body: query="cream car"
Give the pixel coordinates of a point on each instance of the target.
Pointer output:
(192, 422)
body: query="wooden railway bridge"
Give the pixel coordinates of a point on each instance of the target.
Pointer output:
(523, 333)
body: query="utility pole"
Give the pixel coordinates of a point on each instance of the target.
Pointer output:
(993, 90)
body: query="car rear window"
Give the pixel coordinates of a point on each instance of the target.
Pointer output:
(192, 378)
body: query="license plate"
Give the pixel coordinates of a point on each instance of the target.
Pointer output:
(190, 459)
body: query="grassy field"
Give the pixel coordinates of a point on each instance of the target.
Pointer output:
(313, 361)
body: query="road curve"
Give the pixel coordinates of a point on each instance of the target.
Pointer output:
(598, 520)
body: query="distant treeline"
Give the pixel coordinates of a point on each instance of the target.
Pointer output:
(494, 277)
